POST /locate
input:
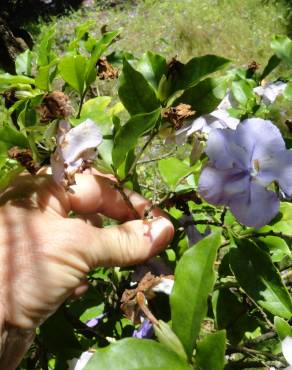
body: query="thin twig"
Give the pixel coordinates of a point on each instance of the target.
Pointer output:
(127, 200)
(251, 351)
(264, 234)
(158, 158)
(133, 166)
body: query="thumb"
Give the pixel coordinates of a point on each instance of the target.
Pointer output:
(130, 243)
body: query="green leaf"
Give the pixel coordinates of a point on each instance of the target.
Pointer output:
(128, 135)
(167, 337)
(135, 92)
(80, 31)
(273, 63)
(283, 329)
(232, 314)
(205, 96)
(136, 354)
(196, 69)
(153, 67)
(72, 70)
(11, 137)
(194, 280)
(259, 278)
(242, 91)
(43, 77)
(23, 63)
(288, 91)
(211, 350)
(44, 50)
(282, 47)
(101, 45)
(278, 248)
(8, 79)
(172, 170)
(282, 223)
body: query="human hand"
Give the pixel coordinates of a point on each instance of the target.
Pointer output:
(45, 256)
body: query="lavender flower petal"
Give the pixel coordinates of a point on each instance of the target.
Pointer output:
(259, 137)
(255, 208)
(277, 168)
(144, 331)
(219, 187)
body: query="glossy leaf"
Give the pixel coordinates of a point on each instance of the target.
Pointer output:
(273, 63)
(259, 278)
(98, 49)
(288, 92)
(23, 63)
(72, 70)
(8, 79)
(44, 50)
(135, 92)
(127, 137)
(242, 91)
(195, 70)
(205, 96)
(43, 77)
(282, 47)
(172, 170)
(211, 351)
(283, 329)
(277, 247)
(153, 67)
(136, 354)
(194, 281)
(282, 223)
(11, 137)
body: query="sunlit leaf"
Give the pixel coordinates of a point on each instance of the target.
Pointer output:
(72, 70)
(127, 137)
(135, 92)
(153, 67)
(259, 278)
(282, 47)
(282, 327)
(136, 354)
(23, 63)
(211, 351)
(194, 280)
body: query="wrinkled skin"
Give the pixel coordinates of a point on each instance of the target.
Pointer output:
(45, 256)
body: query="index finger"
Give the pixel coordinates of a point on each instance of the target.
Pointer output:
(94, 193)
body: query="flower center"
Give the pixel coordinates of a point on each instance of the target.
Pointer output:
(255, 168)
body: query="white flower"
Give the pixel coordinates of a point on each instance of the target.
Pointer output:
(164, 286)
(76, 149)
(287, 351)
(219, 118)
(79, 363)
(270, 91)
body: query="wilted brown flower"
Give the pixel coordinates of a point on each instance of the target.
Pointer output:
(174, 67)
(55, 105)
(177, 115)
(105, 70)
(25, 158)
(253, 66)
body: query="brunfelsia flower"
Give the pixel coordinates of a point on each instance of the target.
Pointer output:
(76, 149)
(242, 164)
(145, 330)
(270, 91)
(219, 118)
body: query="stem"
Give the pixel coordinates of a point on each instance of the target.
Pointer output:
(264, 234)
(81, 102)
(250, 351)
(127, 200)
(148, 141)
(169, 154)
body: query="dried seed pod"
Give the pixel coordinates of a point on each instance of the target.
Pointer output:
(25, 158)
(55, 105)
(177, 115)
(105, 70)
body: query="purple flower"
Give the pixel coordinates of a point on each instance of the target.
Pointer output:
(144, 331)
(96, 320)
(242, 164)
(76, 148)
(271, 91)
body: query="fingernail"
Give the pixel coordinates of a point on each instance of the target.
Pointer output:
(161, 231)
